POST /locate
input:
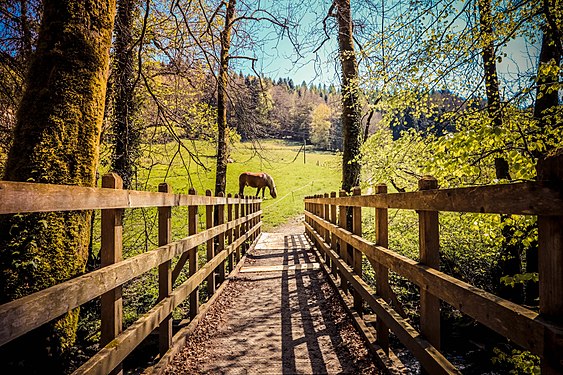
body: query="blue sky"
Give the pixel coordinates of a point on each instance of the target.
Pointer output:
(276, 57)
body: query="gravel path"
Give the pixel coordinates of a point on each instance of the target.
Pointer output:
(277, 316)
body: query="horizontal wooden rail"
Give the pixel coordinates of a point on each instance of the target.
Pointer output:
(525, 198)
(117, 350)
(21, 197)
(46, 305)
(511, 320)
(25, 314)
(430, 357)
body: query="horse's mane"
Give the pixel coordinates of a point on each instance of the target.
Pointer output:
(270, 182)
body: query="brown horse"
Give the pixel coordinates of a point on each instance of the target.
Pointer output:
(257, 180)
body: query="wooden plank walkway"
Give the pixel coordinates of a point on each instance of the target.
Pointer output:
(278, 315)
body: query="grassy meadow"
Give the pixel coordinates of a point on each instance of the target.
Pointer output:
(294, 179)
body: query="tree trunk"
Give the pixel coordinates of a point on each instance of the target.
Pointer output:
(547, 93)
(56, 140)
(509, 262)
(351, 116)
(489, 62)
(27, 40)
(491, 78)
(221, 172)
(126, 136)
(545, 108)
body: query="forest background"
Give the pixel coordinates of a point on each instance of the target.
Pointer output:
(468, 92)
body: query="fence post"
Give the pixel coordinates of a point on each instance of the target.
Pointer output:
(315, 208)
(230, 231)
(326, 215)
(343, 245)
(310, 209)
(252, 222)
(246, 223)
(242, 227)
(221, 238)
(429, 246)
(320, 209)
(550, 253)
(306, 218)
(210, 247)
(357, 254)
(193, 256)
(111, 252)
(237, 207)
(164, 271)
(259, 208)
(381, 272)
(334, 238)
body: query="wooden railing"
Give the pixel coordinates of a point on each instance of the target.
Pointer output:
(230, 236)
(342, 248)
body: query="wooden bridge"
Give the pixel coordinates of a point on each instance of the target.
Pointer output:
(333, 247)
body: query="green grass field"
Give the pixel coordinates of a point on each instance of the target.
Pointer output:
(294, 179)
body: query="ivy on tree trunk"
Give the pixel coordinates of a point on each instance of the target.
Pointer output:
(126, 136)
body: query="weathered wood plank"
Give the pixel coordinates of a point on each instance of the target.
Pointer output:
(193, 258)
(429, 249)
(430, 358)
(525, 198)
(221, 238)
(210, 246)
(164, 270)
(230, 233)
(43, 306)
(333, 238)
(343, 247)
(382, 273)
(20, 197)
(356, 254)
(116, 351)
(279, 268)
(237, 230)
(111, 252)
(511, 320)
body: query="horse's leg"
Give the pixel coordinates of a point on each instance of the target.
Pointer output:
(258, 191)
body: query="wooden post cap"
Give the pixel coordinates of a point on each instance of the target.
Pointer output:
(112, 181)
(164, 187)
(427, 183)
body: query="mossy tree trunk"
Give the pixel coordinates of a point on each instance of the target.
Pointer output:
(351, 116)
(221, 171)
(56, 140)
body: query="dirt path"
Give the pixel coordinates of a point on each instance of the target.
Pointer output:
(277, 316)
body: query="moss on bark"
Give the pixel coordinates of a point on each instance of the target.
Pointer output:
(56, 140)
